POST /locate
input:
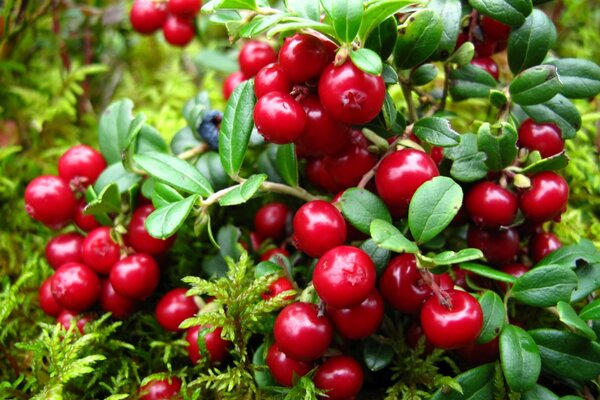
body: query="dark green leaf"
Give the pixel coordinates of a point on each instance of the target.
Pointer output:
(569, 256)
(470, 168)
(378, 12)
(389, 74)
(520, 358)
(494, 316)
(535, 85)
(389, 237)
(195, 108)
(377, 355)
(450, 257)
(560, 111)
(310, 9)
(165, 221)
(436, 131)
(469, 81)
(509, 12)
(499, 145)
(580, 78)
(107, 202)
(236, 127)
(184, 140)
(418, 38)
(113, 130)
(287, 163)
(450, 12)
(267, 163)
(545, 286)
(389, 111)
(476, 384)
(209, 165)
(379, 255)
(591, 311)
(228, 239)
(367, 60)
(361, 208)
(433, 206)
(498, 98)
(539, 393)
(424, 74)
(488, 272)
(569, 317)
(263, 377)
(163, 195)
(529, 43)
(346, 17)
(383, 39)
(553, 163)
(244, 191)
(116, 173)
(589, 281)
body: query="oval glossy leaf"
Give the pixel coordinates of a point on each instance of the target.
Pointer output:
(433, 206)
(569, 317)
(163, 195)
(209, 165)
(377, 355)
(558, 110)
(367, 60)
(470, 168)
(463, 55)
(424, 74)
(591, 311)
(346, 17)
(113, 130)
(361, 207)
(476, 384)
(554, 163)
(389, 237)
(116, 173)
(589, 281)
(494, 316)
(450, 12)
(529, 43)
(499, 145)
(108, 201)
(566, 355)
(184, 140)
(310, 9)
(266, 268)
(539, 393)
(545, 286)
(175, 172)
(451, 257)
(164, 222)
(267, 163)
(580, 78)
(379, 255)
(287, 163)
(520, 358)
(417, 39)
(259, 24)
(243, 192)
(488, 272)
(436, 131)
(569, 256)
(469, 81)
(535, 85)
(382, 39)
(149, 140)
(236, 127)
(509, 12)
(377, 12)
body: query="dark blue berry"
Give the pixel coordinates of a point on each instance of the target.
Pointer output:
(209, 128)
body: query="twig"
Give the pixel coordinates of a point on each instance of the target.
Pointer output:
(447, 72)
(412, 111)
(191, 153)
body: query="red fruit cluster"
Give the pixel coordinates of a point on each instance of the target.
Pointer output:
(174, 17)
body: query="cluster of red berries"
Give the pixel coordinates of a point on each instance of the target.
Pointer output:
(174, 17)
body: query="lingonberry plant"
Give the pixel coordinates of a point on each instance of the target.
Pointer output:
(368, 239)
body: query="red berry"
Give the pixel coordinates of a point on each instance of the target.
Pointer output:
(484, 48)
(271, 220)
(360, 321)
(147, 16)
(285, 369)
(402, 285)
(276, 252)
(175, 307)
(75, 286)
(546, 199)
(494, 30)
(318, 175)
(49, 200)
(437, 154)
(445, 281)
(271, 78)
(477, 354)
(81, 165)
(491, 206)
(184, 8)
(279, 118)
(99, 251)
(279, 286)
(301, 333)
(179, 31)
(140, 239)
(515, 270)
(83, 221)
(318, 227)
(160, 389)
(545, 138)
(303, 57)
(341, 377)
(47, 302)
(542, 244)
(135, 277)
(455, 326)
(399, 176)
(350, 94)
(218, 348)
(413, 335)
(348, 166)
(63, 249)
(254, 56)
(119, 306)
(487, 64)
(498, 247)
(66, 318)
(231, 82)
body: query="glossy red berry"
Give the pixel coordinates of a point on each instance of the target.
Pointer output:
(544, 137)
(66, 318)
(135, 277)
(546, 199)
(360, 321)
(99, 251)
(319, 176)
(175, 307)
(271, 78)
(184, 8)
(271, 220)
(83, 221)
(81, 165)
(487, 64)
(494, 30)
(63, 249)
(477, 354)
(399, 176)
(254, 56)
(279, 118)
(350, 94)
(75, 286)
(281, 285)
(119, 306)
(542, 244)
(301, 333)
(49, 199)
(140, 239)
(455, 326)
(348, 166)
(344, 277)
(437, 154)
(147, 16)
(303, 57)
(160, 389)
(218, 348)
(516, 270)
(445, 281)
(341, 377)
(402, 285)
(47, 302)
(498, 247)
(179, 31)
(274, 253)
(285, 369)
(491, 206)
(318, 227)
(231, 82)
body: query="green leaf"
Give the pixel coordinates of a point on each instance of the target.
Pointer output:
(230, 4)
(377, 12)
(175, 172)
(436, 131)
(569, 317)
(379, 255)
(165, 221)
(494, 316)
(424, 74)
(539, 393)
(389, 237)
(509, 12)
(382, 39)
(570, 256)
(488, 272)
(463, 55)
(433, 206)
(377, 355)
(149, 140)
(260, 24)
(545, 286)
(520, 358)
(469, 81)
(361, 208)
(580, 78)
(116, 173)
(499, 145)
(591, 311)
(243, 192)
(498, 98)
(209, 165)
(367, 60)
(553, 163)
(469, 168)
(263, 377)
(450, 257)
(163, 195)
(346, 17)
(184, 140)
(418, 39)
(195, 108)
(107, 202)
(389, 112)
(476, 384)
(113, 130)
(389, 75)
(566, 355)
(309, 9)
(558, 110)
(228, 239)
(535, 85)
(236, 127)
(266, 268)
(589, 281)
(287, 163)
(267, 163)
(529, 43)
(450, 12)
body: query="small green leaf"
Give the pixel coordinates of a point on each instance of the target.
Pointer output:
(184, 140)
(494, 316)
(361, 208)
(209, 165)
(310, 9)
(499, 145)
(259, 24)
(520, 358)
(228, 239)
(287, 163)
(545, 286)
(509, 12)
(569, 317)
(476, 384)
(379, 255)
(450, 257)
(498, 98)
(589, 281)
(107, 202)
(389, 237)
(488, 272)
(529, 43)
(116, 173)
(113, 130)
(418, 39)
(450, 12)
(367, 60)
(346, 17)
(539, 393)
(150, 140)
(424, 74)
(263, 377)
(470, 168)
(382, 39)
(535, 85)
(389, 75)
(580, 78)
(436, 131)
(558, 110)
(267, 163)
(569, 256)
(244, 191)
(379, 11)
(164, 222)
(377, 355)
(163, 195)
(553, 163)
(231, 4)
(433, 206)
(469, 81)
(266, 268)
(591, 311)
(463, 55)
